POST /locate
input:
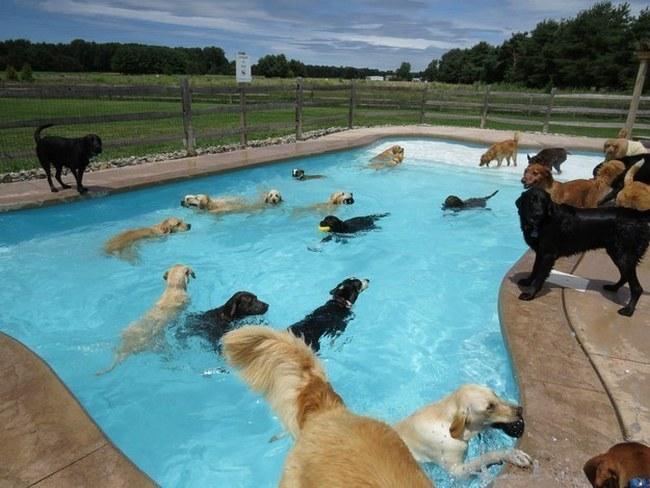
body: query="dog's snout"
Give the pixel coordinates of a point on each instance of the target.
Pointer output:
(189, 226)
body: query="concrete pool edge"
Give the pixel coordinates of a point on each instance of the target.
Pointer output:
(48, 438)
(36, 193)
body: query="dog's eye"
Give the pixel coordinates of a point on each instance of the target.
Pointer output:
(491, 406)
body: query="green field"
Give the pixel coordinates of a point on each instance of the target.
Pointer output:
(126, 138)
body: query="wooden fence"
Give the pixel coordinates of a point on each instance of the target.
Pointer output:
(350, 103)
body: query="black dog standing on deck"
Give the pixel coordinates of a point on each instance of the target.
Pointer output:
(452, 202)
(213, 324)
(332, 318)
(71, 153)
(553, 230)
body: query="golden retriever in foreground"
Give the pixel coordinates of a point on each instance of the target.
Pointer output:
(334, 448)
(501, 150)
(122, 244)
(225, 205)
(577, 193)
(337, 198)
(143, 334)
(392, 156)
(635, 194)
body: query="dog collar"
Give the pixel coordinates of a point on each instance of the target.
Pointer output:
(345, 303)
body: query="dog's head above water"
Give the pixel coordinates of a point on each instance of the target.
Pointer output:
(298, 173)
(348, 290)
(172, 225)
(342, 197)
(178, 276)
(244, 303)
(198, 201)
(452, 201)
(272, 197)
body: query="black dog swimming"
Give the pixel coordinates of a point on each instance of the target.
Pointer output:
(213, 324)
(452, 202)
(332, 318)
(551, 157)
(300, 175)
(553, 230)
(642, 175)
(334, 225)
(71, 153)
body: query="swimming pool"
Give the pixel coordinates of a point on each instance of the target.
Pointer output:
(427, 323)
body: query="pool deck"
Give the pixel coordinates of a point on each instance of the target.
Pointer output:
(583, 370)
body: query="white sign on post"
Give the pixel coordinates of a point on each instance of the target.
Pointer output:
(243, 68)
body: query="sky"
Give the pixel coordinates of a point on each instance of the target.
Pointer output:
(362, 33)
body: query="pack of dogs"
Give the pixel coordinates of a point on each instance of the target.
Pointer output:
(333, 446)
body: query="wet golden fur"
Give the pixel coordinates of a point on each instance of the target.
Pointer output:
(501, 150)
(577, 193)
(334, 448)
(121, 245)
(392, 156)
(635, 194)
(223, 205)
(143, 334)
(337, 198)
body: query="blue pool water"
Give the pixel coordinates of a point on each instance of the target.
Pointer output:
(427, 323)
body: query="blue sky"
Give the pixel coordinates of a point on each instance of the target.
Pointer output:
(364, 33)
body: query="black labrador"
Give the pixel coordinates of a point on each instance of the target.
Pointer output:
(551, 157)
(553, 230)
(299, 174)
(454, 203)
(213, 324)
(334, 225)
(332, 318)
(63, 151)
(643, 175)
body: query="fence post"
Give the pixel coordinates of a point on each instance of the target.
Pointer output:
(353, 101)
(486, 102)
(299, 99)
(188, 131)
(423, 107)
(643, 56)
(549, 109)
(243, 136)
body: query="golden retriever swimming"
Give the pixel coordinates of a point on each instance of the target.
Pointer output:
(334, 447)
(122, 244)
(577, 193)
(142, 334)
(337, 198)
(635, 194)
(440, 432)
(224, 205)
(389, 158)
(501, 150)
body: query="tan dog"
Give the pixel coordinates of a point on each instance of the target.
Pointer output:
(619, 148)
(635, 194)
(440, 432)
(578, 193)
(334, 448)
(122, 244)
(142, 334)
(622, 463)
(223, 205)
(392, 156)
(337, 198)
(501, 150)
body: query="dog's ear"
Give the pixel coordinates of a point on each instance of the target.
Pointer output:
(528, 157)
(190, 272)
(165, 227)
(457, 427)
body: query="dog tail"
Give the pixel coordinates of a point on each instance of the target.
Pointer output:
(629, 176)
(516, 137)
(491, 195)
(39, 129)
(117, 361)
(285, 370)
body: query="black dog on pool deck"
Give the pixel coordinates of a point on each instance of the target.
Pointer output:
(332, 318)
(553, 230)
(62, 151)
(213, 324)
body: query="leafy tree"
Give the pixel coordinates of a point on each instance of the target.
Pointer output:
(272, 66)
(431, 71)
(404, 71)
(10, 74)
(26, 73)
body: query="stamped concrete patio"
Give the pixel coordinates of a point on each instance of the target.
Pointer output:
(583, 370)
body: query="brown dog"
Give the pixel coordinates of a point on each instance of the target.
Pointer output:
(122, 244)
(334, 447)
(635, 194)
(392, 156)
(578, 193)
(501, 150)
(622, 463)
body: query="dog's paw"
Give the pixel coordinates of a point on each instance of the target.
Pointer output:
(626, 311)
(519, 458)
(524, 281)
(526, 296)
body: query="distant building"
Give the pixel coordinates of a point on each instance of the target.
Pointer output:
(374, 78)
(417, 79)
